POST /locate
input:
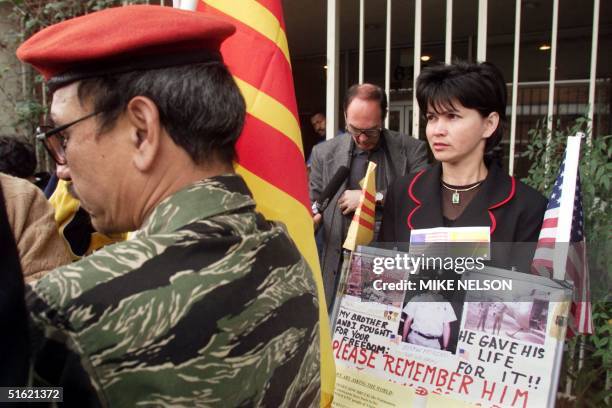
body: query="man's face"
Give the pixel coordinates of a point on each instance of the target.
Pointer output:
(364, 115)
(63, 173)
(318, 124)
(97, 164)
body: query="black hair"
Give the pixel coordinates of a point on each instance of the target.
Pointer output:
(200, 105)
(368, 92)
(478, 86)
(17, 157)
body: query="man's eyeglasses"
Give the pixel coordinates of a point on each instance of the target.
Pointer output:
(369, 133)
(54, 139)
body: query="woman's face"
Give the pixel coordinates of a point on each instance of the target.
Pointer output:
(458, 134)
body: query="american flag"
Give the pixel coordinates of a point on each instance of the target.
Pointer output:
(576, 269)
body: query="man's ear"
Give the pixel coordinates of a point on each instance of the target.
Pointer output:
(491, 123)
(143, 116)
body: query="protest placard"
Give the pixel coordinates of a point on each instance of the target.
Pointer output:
(424, 347)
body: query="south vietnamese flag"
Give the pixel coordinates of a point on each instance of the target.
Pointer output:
(270, 156)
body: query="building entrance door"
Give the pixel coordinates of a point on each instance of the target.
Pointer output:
(400, 117)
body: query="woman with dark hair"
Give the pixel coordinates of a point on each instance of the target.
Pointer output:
(465, 108)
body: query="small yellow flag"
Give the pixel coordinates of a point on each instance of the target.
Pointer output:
(361, 230)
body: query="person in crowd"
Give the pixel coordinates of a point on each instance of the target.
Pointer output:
(428, 319)
(395, 154)
(465, 108)
(483, 314)
(208, 303)
(318, 123)
(34, 230)
(499, 309)
(17, 157)
(14, 357)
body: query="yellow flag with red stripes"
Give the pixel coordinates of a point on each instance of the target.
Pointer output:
(270, 156)
(361, 230)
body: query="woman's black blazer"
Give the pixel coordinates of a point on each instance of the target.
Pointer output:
(512, 210)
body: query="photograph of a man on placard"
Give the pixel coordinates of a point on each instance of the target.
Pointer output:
(428, 321)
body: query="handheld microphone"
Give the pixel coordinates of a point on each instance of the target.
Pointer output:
(332, 188)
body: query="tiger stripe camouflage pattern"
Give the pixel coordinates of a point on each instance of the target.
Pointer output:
(207, 305)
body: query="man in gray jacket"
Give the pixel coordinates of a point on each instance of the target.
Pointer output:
(395, 154)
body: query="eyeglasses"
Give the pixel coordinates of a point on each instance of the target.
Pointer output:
(369, 133)
(54, 139)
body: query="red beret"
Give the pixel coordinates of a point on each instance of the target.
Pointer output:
(123, 39)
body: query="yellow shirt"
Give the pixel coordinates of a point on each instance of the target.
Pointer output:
(66, 209)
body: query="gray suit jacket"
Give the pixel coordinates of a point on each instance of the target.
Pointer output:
(407, 155)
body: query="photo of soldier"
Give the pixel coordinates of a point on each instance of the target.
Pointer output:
(483, 314)
(429, 320)
(521, 319)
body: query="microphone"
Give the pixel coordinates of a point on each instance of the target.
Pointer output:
(332, 188)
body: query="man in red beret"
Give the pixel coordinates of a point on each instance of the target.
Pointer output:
(208, 304)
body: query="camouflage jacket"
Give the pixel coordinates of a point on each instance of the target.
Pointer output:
(208, 304)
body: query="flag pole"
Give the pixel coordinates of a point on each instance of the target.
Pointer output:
(346, 261)
(272, 119)
(566, 209)
(360, 232)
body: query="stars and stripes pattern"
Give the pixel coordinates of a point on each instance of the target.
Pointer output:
(576, 269)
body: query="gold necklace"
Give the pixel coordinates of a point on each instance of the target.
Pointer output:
(455, 197)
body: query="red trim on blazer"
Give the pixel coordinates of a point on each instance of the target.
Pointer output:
(504, 201)
(411, 195)
(493, 222)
